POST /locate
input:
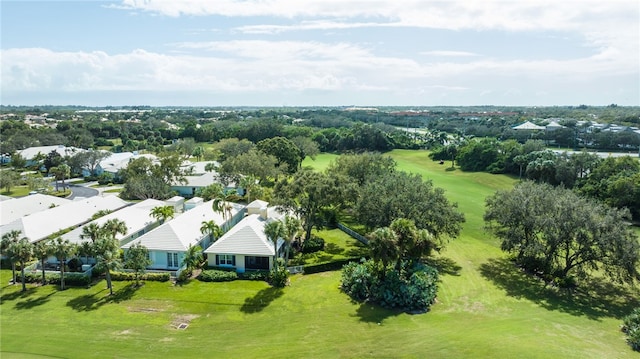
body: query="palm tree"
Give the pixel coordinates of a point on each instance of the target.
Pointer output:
(113, 227)
(23, 251)
(91, 231)
(248, 183)
(220, 205)
(193, 258)
(274, 230)
(162, 213)
(86, 249)
(42, 250)
(8, 240)
(63, 249)
(293, 226)
(212, 229)
(107, 253)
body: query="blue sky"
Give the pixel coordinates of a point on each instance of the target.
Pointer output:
(320, 52)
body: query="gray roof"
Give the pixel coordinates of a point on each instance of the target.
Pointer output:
(24, 206)
(247, 238)
(184, 230)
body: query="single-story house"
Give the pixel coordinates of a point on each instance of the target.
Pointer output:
(30, 153)
(194, 183)
(528, 126)
(245, 247)
(136, 217)
(118, 161)
(40, 225)
(168, 242)
(24, 206)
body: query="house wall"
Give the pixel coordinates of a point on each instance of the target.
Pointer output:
(159, 260)
(211, 261)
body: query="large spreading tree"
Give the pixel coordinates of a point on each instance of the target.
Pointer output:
(554, 231)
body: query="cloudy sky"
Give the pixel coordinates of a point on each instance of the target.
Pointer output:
(320, 52)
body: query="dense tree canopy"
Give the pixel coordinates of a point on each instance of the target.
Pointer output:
(553, 230)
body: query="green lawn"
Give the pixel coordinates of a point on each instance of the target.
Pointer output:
(486, 308)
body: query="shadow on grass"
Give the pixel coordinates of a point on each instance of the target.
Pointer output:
(33, 302)
(333, 248)
(595, 300)
(261, 300)
(89, 302)
(15, 295)
(372, 313)
(444, 265)
(360, 250)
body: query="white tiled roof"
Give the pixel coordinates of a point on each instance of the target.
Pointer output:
(177, 234)
(24, 206)
(41, 224)
(136, 217)
(247, 238)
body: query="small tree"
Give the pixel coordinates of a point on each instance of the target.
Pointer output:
(8, 249)
(193, 258)
(42, 250)
(162, 213)
(211, 229)
(292, 226)
(63, 249)
(107, 257)
(137, 258)
(23, 251)
(274, 230)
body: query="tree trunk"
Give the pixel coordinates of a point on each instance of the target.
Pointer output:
(62, 276)
(109, 282)
(24, 286)
(13, 272)
(44, 278)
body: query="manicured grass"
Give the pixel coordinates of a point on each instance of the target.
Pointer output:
(338, 245)
(16, 191)
(486, 308)
(321, 162)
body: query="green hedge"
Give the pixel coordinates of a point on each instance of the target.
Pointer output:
(70, 279)
(255, 275)
(329, 266)
(214, 275)
(152, 277)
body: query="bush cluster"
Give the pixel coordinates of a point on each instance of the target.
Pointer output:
(70, 279)
(411, 289)
(631, 326)
(279, 277)
(256, 275)
(215, 275)
(152, 277)
(313, 244)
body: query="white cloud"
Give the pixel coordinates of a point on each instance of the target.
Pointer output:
(447, 53)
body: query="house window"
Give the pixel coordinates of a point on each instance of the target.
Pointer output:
(225, 260)
(172, 260)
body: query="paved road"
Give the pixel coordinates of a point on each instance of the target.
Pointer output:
(81, 191)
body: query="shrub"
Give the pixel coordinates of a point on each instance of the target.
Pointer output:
(215, 275)
(313, 244)
(152, 277)
(184, 275)
(631, 326)
(410, 289)
(256, 275)
(279, 277)
(70, 279)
